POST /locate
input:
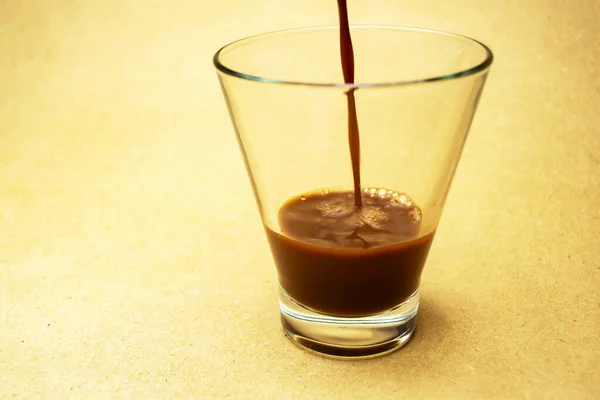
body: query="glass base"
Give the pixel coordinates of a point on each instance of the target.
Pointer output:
(338, 337)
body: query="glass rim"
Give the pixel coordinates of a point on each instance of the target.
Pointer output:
(482, 66)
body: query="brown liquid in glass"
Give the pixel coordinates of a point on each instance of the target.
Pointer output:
(350, 253)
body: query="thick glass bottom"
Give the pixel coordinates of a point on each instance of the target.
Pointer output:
(338, 337)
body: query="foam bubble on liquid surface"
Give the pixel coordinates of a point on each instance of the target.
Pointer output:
(331, 219)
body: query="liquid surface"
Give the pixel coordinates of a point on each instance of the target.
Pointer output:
(338, 260)
(331, 219)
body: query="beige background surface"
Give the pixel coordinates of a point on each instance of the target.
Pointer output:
(132, 263)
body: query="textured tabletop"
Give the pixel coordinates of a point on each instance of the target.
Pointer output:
(132, 259)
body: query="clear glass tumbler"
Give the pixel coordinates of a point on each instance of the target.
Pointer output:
(416, 92)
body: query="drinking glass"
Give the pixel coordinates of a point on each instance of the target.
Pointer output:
(416, 92)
